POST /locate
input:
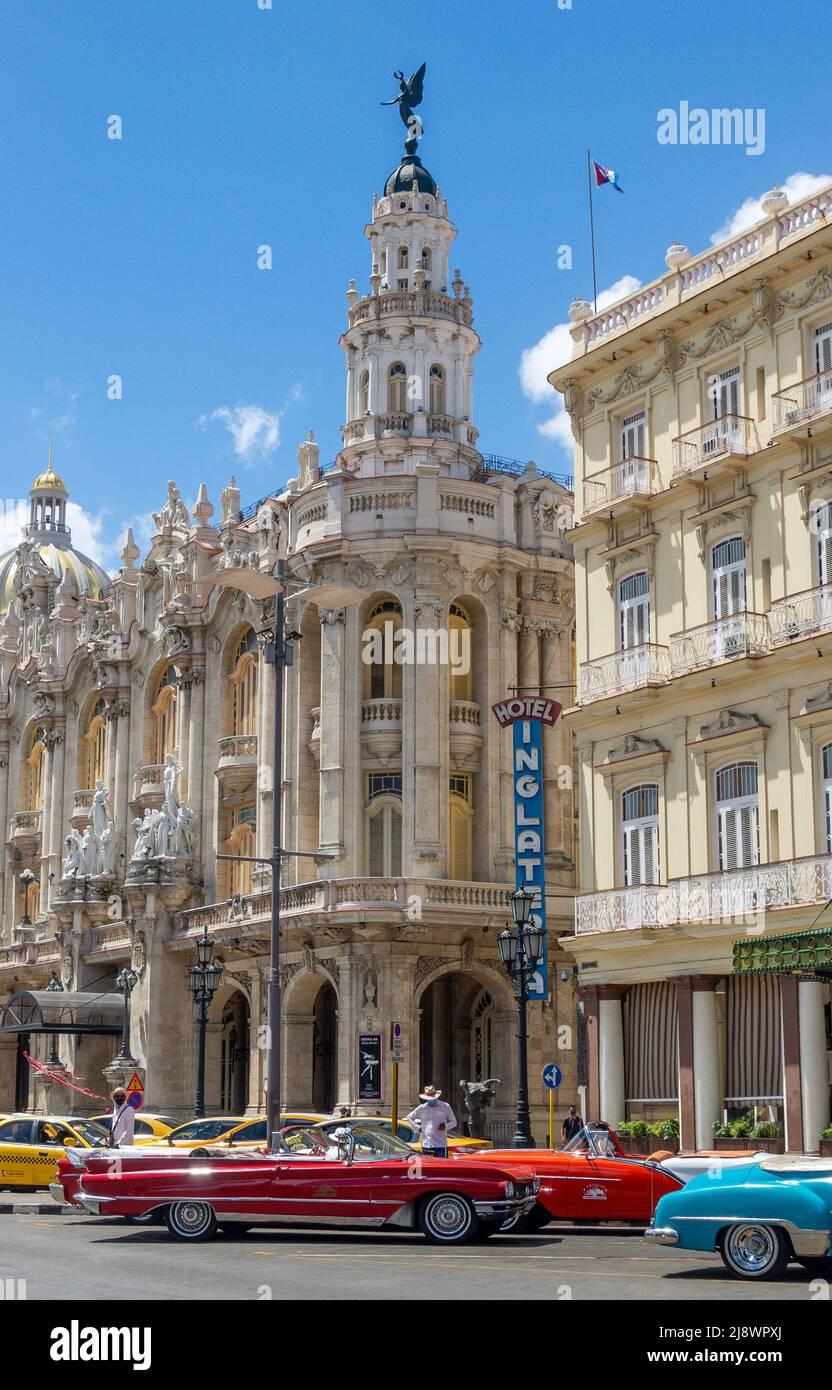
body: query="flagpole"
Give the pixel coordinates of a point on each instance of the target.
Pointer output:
(591, 231)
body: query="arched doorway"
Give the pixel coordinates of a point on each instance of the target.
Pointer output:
(310, 1052)
(234, 1055)
(465, 1033)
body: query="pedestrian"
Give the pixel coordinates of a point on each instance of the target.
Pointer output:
(123, 1121)
(434, 1118)
(572, 1125)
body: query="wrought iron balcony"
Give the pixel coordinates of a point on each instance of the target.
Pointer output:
(741, 634)
(632, 482)
(803, 404)
(801, 615)
(631, 669)
(703, 898)
(730, 438)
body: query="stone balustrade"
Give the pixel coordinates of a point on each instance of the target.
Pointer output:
(703, 898)
(801, 615)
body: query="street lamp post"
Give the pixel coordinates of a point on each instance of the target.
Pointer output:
(520, 951)
(53, 1060)
(126, 981)
(27, 878)
(204, 980)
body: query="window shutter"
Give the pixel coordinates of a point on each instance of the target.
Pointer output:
(748, 835)
(650, 835)
(828, 811)
(634, 858)
(729, 839)
(376, 856)
(823, 348)
(395, 844)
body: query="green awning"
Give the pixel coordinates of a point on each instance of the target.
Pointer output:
(807, 953)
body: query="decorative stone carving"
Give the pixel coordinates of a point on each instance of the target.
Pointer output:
(166, 833)
(476, 1098)
(733, 719)
(174, 513)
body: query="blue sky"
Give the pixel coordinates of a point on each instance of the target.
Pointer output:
(244, 126)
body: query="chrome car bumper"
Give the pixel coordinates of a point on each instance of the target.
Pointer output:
(94, 1204)
(502, 1209)
(661, 1235)
(56, 1192)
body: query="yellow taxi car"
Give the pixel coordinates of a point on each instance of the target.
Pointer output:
(409, 1132)
(194, 1133)
(30, 1146)
(146, 1126)
(253, 1132)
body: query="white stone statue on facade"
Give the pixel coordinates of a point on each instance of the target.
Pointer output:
(143, 848)
(182, 832)
(166, 833)
(73, 864)
(107, 850)
(88, 851)
(100, 810)
(174, 514)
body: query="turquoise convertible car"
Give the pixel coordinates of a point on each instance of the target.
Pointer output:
(758, 1217)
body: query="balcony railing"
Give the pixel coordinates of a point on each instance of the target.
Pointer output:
(237, 746)
(381, 714)
(719, 897)
(25, 827)
(798, 405)
(801, 615)
(631, 669)
(731, 436)
(630, 480)
(741, 634)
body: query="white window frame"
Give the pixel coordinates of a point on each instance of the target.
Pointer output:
(738, 818)
(384, 808)
(724, 391)
(632, 436)
(826, 794)
(728, 606)
(823, 542)
(633, 613)
(822, 348)
(640, 846)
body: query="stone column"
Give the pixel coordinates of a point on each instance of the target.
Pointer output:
(120, 735)
(700, 1090)
(52, 830)
(332, 805)
(426, 734)
(197, 751)
(611, 1086)
(557, 756)
(814, 1081)
(588, 996)
(790, 1034)
(528, 675)
(265, 769)
(6, 873)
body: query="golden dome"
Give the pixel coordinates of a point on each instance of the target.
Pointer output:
(49, 481)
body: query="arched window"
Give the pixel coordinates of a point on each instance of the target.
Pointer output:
(397, 387)
(401, 258)
(364, 394)
(243, 685)
(461, 841)
(482, 1023)
(728, 568)
(826, 794)
(427, 258)
(383, 823)
(94, 745)
(383, 679)
(459, 641)
(823, 543)
(640, 834)
(737, 816)
(634, 610)
(242, 839)
(163, 711)
(35, 768)
(437, 390)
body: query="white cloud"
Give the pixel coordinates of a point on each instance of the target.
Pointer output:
(254, 430)
(553, 350)
(90, 531)
(795, 187)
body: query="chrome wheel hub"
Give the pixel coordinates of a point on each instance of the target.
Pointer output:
(752, 1247)
(448, 1215)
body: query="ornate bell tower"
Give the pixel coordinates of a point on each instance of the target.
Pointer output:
(410, 344)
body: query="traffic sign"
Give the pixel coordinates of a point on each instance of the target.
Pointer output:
(397, 1042)
(135, 1100)
(552, 1076)
(136, 1083)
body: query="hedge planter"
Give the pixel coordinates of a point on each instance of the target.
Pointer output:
(648, 1144)
(825, 1148)
(769, 1146)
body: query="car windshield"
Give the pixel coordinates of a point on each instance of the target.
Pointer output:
(370, 1140)
(94, 1134)
(594, 1140)
(203, 1129)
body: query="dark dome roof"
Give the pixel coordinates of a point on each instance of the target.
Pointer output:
(401, 179)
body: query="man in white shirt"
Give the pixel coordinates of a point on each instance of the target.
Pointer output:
(123, 1120)
(434, 1118)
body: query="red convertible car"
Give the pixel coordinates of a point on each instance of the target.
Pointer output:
(591, 1179)
(353, 1178)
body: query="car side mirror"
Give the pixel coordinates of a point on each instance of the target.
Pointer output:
(70, 1142)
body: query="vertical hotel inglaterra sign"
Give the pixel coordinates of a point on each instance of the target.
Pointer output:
(527, 714)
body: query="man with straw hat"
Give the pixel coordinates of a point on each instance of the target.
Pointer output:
(434, 1118)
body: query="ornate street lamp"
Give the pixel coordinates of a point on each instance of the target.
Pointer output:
(27, 878)
(520, 952)
(204, 981)
(53, 1060)
(125, 983)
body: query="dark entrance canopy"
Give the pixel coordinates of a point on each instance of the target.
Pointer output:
(62, 1011)
(804, 953)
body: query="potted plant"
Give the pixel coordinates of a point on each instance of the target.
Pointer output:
(826, 1142)
(637, 1135)
(743, 1133)
(664, 1134)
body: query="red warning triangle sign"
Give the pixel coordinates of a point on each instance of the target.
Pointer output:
(135, 1083)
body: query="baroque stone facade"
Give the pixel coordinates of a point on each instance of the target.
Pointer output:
(136, 728)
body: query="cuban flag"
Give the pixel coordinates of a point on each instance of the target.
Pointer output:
(603, 175)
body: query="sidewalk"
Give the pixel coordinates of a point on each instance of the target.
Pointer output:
(30, 1204)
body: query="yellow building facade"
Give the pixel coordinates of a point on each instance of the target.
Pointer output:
(701, 409)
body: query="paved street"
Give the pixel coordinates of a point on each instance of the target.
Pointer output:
(67, 1257)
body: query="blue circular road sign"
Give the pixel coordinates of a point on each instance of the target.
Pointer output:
(552, 1076)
